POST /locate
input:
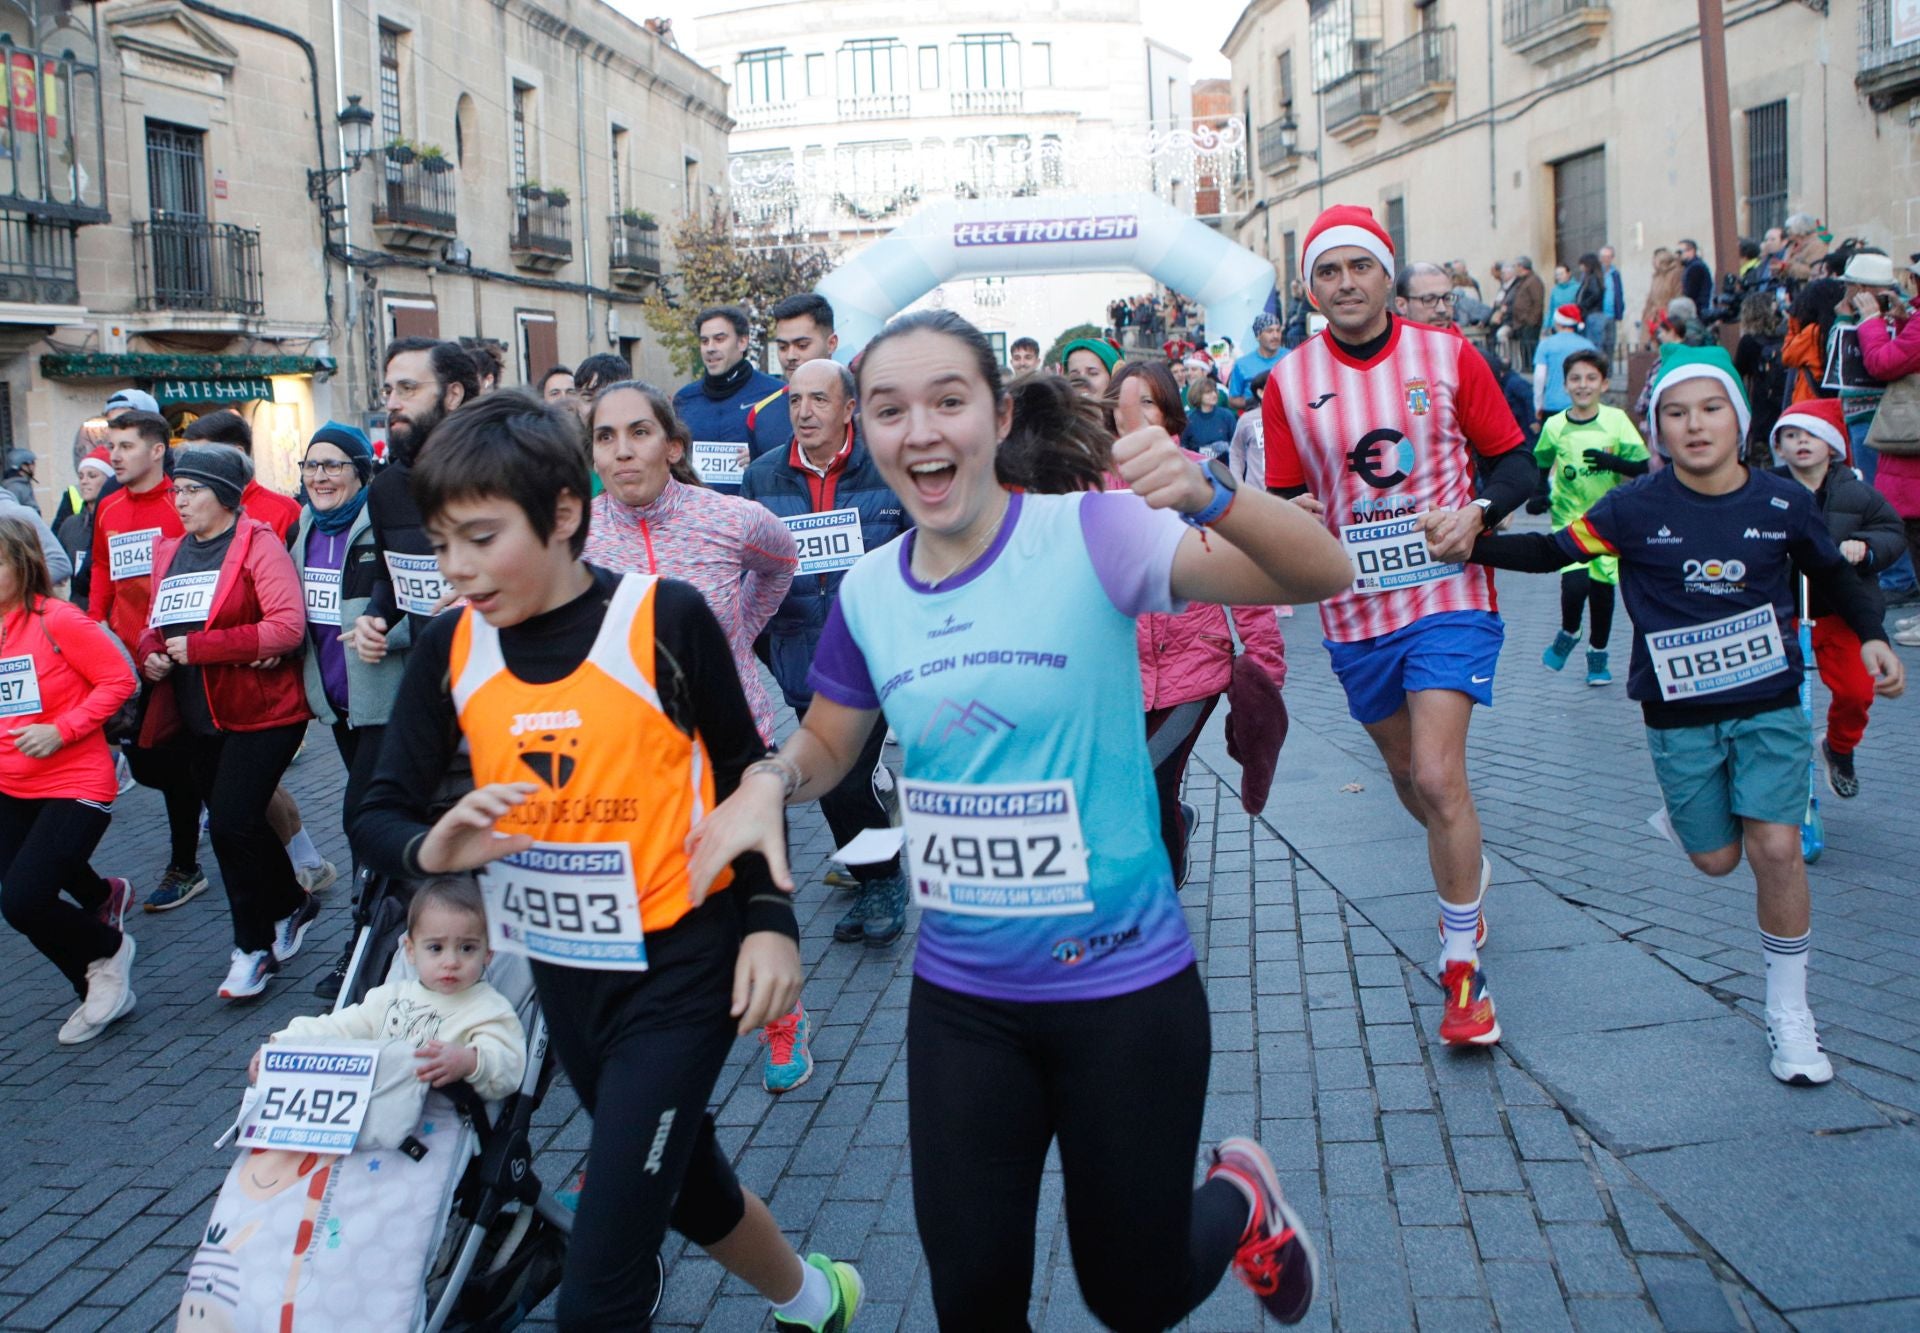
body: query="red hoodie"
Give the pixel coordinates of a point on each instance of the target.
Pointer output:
(123, 602)
(277, 511)
(82, 679)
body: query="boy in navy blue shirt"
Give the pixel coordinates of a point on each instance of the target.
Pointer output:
(1707, 552)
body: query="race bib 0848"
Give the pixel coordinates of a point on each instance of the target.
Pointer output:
(574, 904)
(1719, 655)
(1391, 554)
(996, 849)
(130, 554)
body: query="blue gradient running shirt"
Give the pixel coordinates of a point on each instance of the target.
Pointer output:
(1014, 687)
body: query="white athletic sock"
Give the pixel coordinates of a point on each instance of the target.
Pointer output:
(812, 1303)
(1786, 969)
(301, 851)
(1459, 922)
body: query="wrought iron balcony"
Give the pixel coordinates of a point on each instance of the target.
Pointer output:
(1416, 76)
(1277, 145)
(53, 161)
(193, 264)
(873, 106)
(1545, 30)
(413, 205)
(764, 115)
(37, 262)
(635, 251)
(1352, 107)
(542, 236)
(984, 101)
(1889, 70)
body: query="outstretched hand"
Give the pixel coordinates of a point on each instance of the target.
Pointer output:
(1889, 673)
(751, 820)
(1157, 470)
(464, 837)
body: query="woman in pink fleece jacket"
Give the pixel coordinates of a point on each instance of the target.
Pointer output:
(1889, 355)
(1186, 660)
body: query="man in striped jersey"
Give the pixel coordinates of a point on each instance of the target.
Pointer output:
(1374, 423)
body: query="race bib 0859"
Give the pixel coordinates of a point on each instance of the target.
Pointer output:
(996, 849)
(1719, 655)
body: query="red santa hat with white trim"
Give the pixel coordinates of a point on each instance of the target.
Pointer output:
(1823, 418)
(1347, 224)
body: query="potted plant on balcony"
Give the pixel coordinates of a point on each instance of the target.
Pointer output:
(530, 190)
(558, 197)
(641, 219)
(434, 159)
(401, 151)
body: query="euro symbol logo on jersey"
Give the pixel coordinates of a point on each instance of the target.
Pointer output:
(1379, 449)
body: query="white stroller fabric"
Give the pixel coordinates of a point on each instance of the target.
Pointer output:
(307, 1243)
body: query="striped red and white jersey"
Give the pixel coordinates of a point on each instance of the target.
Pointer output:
(1383, 440)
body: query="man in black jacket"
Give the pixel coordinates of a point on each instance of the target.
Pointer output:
(1696, 279)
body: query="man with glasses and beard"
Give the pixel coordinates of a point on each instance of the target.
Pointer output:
(426, 380)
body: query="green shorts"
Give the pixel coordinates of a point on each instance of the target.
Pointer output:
(1719, 773)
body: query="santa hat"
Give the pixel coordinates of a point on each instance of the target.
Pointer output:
(1823, 418)
(98, 460)
(1347, 224)
(1680, 363)
(1568, 317)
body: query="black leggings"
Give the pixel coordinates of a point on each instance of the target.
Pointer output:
(852, 805)
(644, 1065)
(44, 846)
(1171, 770)
(1579, 589)
(235, 773)
(360, 753)
(164, 768)
(1122, 1083)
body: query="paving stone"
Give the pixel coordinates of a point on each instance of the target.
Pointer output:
(1589, 1260)
(1426, 1196)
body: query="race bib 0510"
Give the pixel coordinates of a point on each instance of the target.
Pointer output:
(184, 599)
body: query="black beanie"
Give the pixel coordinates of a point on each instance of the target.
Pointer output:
(220, 468)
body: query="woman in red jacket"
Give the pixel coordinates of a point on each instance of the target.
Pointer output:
(61, 678)
(227, 615)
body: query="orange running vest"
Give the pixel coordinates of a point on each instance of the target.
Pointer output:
(610, 764)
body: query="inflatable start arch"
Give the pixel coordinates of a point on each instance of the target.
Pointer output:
(1058, 234)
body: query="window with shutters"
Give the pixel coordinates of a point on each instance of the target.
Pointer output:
(617, 169)
(522, 133)
(412, 318)
(1397, 224)
(1766, 167)
(392, 125)
(539, 344)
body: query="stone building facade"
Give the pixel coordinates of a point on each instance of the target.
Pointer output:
(178, 212)
(1479, 131)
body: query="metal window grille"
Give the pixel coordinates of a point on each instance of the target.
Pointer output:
(1397, 224)
(522, 95)
(390, 125)
(6, 416)
(760, 77)
(176, 171)
(1766, 167)
(617, 170)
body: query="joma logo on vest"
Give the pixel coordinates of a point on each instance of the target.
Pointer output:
(525, 722)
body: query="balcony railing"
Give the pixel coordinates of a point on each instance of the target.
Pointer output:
(1417, 74)
(1276, 145)
(53, 160)
(1353, 101)
(984, 101)
(542, 235)
(416, 195)
(193, 264)
(873, 106)
(37, 262)
(1889, 70)
(1544, 30)
(635, 249)
(764, 115)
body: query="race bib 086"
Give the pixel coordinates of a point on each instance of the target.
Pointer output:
(130, 554)
(574, 904)
(1719, 655)
(996, 849)
(1391, 554)
(827, 541)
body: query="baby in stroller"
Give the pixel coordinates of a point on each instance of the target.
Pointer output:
(460, 1026)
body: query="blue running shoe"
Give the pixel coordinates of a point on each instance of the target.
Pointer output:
(176, 887)
(1560, 650)
(789, 1061)
(1597, 673)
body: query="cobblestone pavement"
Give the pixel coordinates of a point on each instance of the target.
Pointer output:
(1623, 1161)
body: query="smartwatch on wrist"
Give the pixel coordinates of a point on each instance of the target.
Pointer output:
(1225, 485)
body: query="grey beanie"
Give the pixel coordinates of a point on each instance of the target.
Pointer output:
(220, 468)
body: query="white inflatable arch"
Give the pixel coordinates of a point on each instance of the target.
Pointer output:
(1098, 233)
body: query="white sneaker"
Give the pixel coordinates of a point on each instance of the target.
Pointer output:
(1908, 637)
(110, 985)
(247, 974)
(317, 876)
(1797, 1057)
(122, 773)
(1907, 622)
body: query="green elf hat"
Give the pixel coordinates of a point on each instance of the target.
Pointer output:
(1680, 363)
(1109, 354)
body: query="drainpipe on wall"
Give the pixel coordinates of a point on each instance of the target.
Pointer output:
(346, 185)
(1493, 156)
(586, 233)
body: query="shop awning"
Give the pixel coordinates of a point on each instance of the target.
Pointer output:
(157, 368)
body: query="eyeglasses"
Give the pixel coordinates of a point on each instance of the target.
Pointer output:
(189, 489)
(326, 467)
(1432, 302)
(406, 388)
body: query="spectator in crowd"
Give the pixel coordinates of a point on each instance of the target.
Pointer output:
(1526, 306)
(593, 375)
(1565, 291)
(17, 478)
(1806, 247)
(1890, 348)
(1757, 358)
(1462, 276)
(1023, 358)
(1247, 452)
(1089, 363)
(1664, 286)
(1209, 426)
(1683, 311)
(1614, 306)
(1696, 278)
(76, 529)
(1425, 294)
(1268, 337)
(1591, 296)
(1299, 310)
(557, 388)
(489, 361)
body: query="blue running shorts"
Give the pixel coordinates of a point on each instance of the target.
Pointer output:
(1453, 650)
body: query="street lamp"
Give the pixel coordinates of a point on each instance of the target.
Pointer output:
(356, 131)
(1290, 140)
